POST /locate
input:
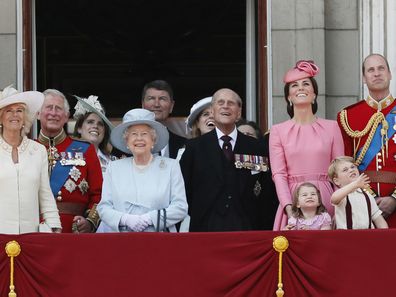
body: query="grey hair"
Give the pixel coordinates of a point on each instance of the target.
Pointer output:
(55, 92)
(232, 93)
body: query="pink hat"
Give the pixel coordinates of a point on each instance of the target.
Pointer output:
(303, 69)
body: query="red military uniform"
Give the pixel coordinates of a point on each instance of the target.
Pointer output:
(358, 123)
(82, 188)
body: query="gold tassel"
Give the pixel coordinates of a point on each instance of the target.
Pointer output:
(13, 249)
(280, 244)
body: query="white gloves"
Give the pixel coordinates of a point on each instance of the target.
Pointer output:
(136, 222)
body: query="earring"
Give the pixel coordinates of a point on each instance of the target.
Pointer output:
(1, 126)
(290, 103)
(23, 126)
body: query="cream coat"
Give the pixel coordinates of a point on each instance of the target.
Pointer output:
(25, 193)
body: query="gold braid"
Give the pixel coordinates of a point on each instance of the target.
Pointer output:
(371, 127)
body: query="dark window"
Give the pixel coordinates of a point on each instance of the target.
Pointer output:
(112, 48)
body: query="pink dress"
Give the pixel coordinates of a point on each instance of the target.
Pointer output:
(315, 223)
(302, 153)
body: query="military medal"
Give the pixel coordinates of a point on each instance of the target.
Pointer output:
(251, 162)
(79, 157)
(257, 188)
(70, 185)
(72, 158)
(75, 173)
(238, 164)
(63, 158)
(52, 157)
(83, 186)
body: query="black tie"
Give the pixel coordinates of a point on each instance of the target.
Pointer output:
(227, 147)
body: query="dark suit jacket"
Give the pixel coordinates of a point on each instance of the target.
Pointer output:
(175, 143)
(203, 172)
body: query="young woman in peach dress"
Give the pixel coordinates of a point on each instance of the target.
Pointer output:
(302, 148)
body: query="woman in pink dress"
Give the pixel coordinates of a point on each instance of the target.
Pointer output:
(302, 148)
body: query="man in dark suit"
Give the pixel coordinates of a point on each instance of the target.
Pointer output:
(157, 96)
(225, 190)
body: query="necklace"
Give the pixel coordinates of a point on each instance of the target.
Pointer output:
(141, 168)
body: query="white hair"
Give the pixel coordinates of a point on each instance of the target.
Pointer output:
(55, 92)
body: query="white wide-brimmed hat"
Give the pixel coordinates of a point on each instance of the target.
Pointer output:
(139, 116)
(33, 99)
(196, 109)
(91, 104)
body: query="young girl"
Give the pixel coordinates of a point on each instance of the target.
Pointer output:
(308, 211)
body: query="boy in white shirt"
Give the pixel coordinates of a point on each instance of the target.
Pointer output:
(355, 207)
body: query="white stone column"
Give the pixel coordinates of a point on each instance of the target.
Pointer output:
(378, 33)
(8, 43)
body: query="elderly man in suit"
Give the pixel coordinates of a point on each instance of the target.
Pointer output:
(225, 173)
(157, 96)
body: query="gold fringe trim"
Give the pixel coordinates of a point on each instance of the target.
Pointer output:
(371, 127)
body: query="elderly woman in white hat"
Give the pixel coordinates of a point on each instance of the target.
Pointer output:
(93, 126)
(25, 190)
(144, 192)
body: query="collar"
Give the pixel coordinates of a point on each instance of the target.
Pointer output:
(21, 148)
(52, 141)
(382, 104)
(233, 134)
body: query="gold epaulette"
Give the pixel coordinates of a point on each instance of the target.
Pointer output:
(370, 129)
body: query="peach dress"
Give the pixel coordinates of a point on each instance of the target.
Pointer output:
(302, 153)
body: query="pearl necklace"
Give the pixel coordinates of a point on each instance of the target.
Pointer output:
(141, 168)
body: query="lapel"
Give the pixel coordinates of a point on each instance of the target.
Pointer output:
(174, 144)
(214, 153)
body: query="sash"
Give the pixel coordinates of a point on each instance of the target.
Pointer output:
(61, 172)
(376, 143)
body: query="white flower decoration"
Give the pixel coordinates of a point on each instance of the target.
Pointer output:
(92, 101)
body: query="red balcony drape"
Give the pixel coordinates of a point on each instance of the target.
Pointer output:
(234, 264)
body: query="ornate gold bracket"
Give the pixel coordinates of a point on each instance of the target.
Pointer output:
(12, 249)
(280, 244)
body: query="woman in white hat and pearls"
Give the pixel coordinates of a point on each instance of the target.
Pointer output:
(144, 192)
(25, 190)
